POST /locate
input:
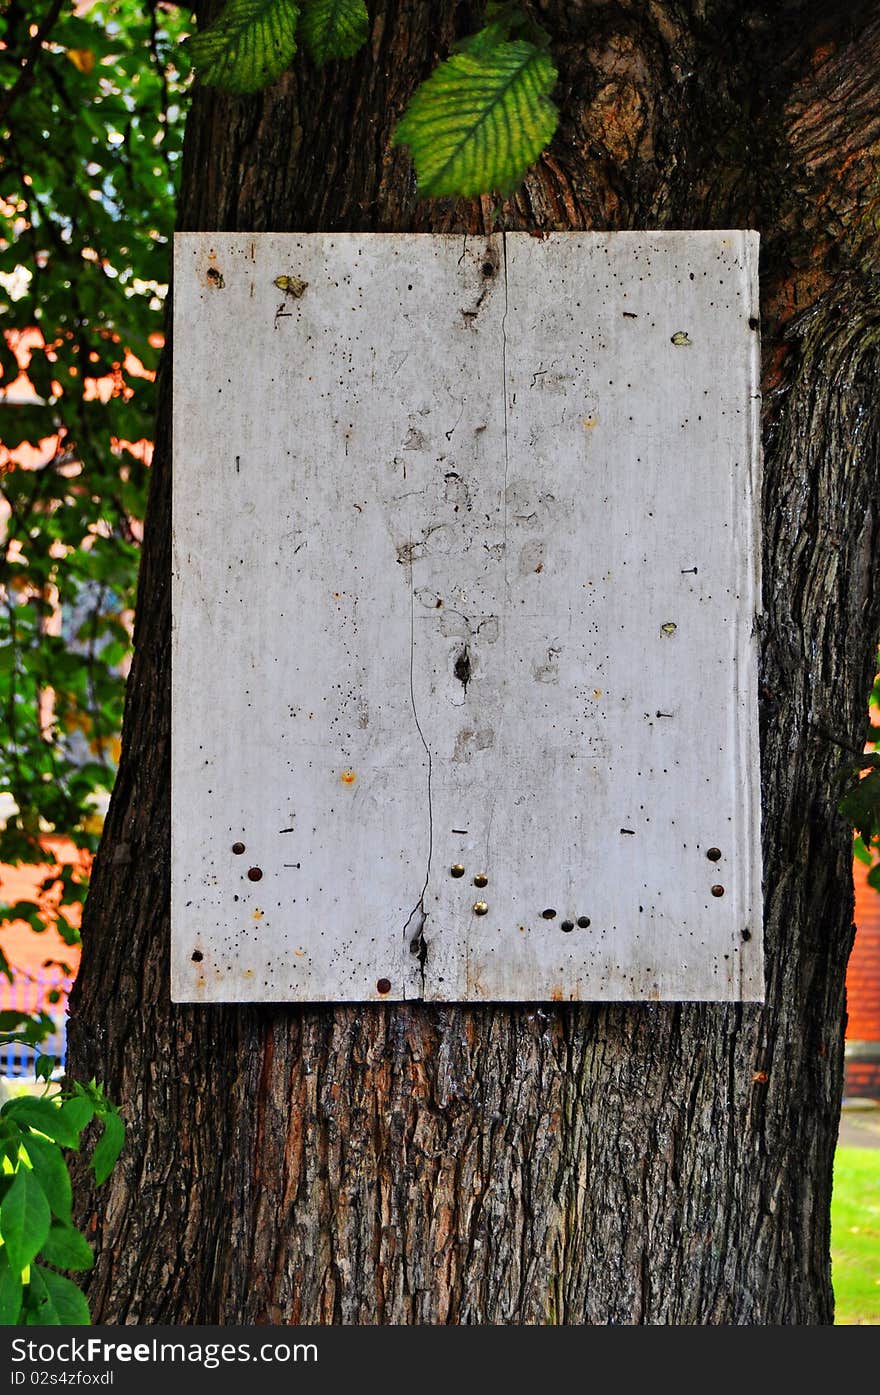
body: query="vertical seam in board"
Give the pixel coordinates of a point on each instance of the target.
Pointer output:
(504, 581)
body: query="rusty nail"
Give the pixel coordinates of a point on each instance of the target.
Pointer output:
(717, 890)
(567, 926)
(238, 848)
(714, 854)
(481, 879)
(255, 874)
(456, 870)
(480, 908)
(383, 985)
(197, 956)
(549, 914)
(583, 921)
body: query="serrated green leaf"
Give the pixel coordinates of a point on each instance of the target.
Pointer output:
(249, 45)
(66, 1302)
(108, 1147)
(334, 28)
(24, 1219)
(46, 1116)
(66, 1248)
(480, 119)
(51, 1172)
(10, 1292)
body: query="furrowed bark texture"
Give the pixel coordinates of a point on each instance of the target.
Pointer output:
(562, 1164)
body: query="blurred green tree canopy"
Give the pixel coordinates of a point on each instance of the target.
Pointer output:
(91, 121)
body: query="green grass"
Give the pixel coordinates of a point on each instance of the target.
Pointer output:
(855, 1235)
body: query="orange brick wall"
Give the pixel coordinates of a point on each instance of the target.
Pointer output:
(863, 974)
(863, 988)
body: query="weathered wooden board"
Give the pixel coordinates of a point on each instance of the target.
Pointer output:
(466, 567)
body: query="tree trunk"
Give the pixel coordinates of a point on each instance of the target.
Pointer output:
(563, 1164)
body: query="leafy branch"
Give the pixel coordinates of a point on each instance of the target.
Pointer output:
(476, 124)
(36, 1196)
(860, 803)
(27, 70)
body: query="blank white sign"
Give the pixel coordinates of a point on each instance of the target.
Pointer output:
(466, 567)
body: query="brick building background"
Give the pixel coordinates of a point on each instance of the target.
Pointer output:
(863, 994)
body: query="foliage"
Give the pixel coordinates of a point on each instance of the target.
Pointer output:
(476, 124)
(483, 116)
(861, 801)
(36, 1198)
(248, 46)
(91, 131)
(335, 28)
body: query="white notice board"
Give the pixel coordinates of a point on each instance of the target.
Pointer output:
(466, 570)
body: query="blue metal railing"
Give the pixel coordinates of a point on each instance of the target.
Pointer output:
(31, 993)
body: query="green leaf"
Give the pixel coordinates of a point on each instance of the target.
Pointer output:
(334, 28)
(481, 119)
(108, 1147)
(59, 1301)
(874, 877)
(46, 1116)
(24, 1219)
(248, 46)
(861, 805)
(861, 852)
(77, 1113)
(39, 1308)
(10, 1145)
(50, 1169)
(46, 1063)
(10, 1292)
(66, 1248)
(11, 1018)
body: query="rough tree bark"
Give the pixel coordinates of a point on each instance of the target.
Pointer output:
(563, 1164)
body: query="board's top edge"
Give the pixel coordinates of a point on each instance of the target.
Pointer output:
(568, 234)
